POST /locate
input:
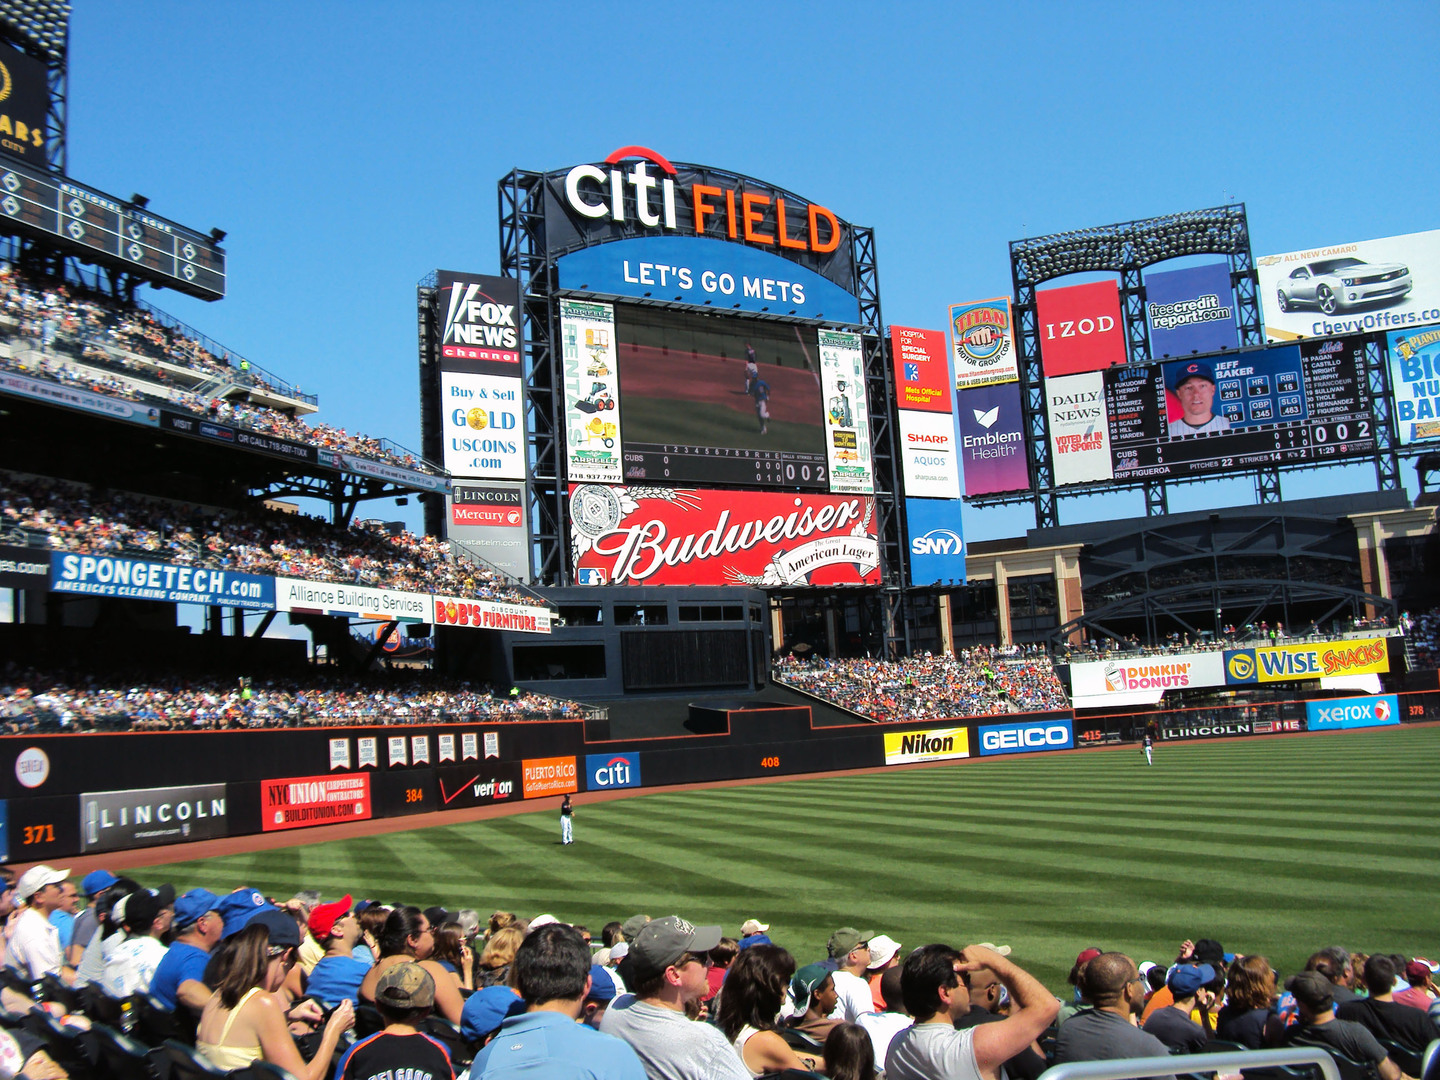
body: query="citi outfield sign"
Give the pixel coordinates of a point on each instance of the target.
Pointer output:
(605, 771)
(1026, 738)
(659, 199)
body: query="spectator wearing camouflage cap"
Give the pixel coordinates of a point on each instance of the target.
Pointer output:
(197, 928)
(404, 997)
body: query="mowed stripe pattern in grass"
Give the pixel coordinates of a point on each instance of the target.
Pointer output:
(1277, 846)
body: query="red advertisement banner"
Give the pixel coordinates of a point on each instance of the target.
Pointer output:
(302, 801)
(922, 369)
(1080, 328)
(642, 535)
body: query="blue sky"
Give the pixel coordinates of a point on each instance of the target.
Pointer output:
(348, 149)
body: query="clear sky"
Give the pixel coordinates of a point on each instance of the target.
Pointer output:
(348, 149)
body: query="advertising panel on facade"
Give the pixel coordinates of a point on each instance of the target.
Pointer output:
(592, 391)
(23, 567)
(548, 776)
(119, 820)
(262, 442)
(1415, 383)
(1080, 328)
(992, 439)
(137, 579)
(936, 538)
(484, 422)
(1026, 737)
(81, 400)
(847, 412)
(478, 785)
(982, 340)
(922, 373)
(1338, 714)
(23, 104)
(929, 463)
(356, 601)
(382, 470)
(487, 521)
(1191, 311)
(934, 744)
(1351, 288)
(303, 801)
(706, 273)
(606, 771)
(642, 535)
(1180, 671)
(1311, 660)
(1208, 729)
(1079, 428)
(479, 323)
(491, 615)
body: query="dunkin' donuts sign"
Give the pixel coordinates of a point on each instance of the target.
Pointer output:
(645, 535)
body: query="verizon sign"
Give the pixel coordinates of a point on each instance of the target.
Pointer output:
(672, 536)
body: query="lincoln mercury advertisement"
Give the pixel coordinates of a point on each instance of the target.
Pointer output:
(645, 535)
(118, 820)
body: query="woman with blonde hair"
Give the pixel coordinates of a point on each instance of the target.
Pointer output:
(495, 960)
(244, 1021)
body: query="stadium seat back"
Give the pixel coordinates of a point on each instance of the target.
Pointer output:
(99, 1006)
(56, 990)
(176, 1061)
(261, 1070)
(73, 1049)
(798, 1040)
(154, 1023)
(1430, 1062)
(461, 1051)
(367, 1021)
(1411, 1063)
(119, 1057)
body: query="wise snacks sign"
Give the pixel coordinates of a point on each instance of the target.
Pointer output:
(683, 536)
(1314, 660)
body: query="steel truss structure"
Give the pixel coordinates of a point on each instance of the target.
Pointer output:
(526, 255)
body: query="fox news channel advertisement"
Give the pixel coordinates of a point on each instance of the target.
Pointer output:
(592, 391)
(1191, 311)
(479, 323)
(119, 820)
(1415, 383)
(937, 543)
(847, 412)
(138, 579)
(1026, 737)
(1342, 714)
(715, 399)
(1351, 288)
(992, 439)
(982, 341)
(484, 429)
(922, 374)
(674, 536)
(1283, 405)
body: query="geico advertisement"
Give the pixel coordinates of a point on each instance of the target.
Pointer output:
(491, 615)
(115, 820)
(1026, 738)
(935, 744)
(694, 536)
(477, 784)
(1280, 663)
(1178, 672)
(548, 776)
(484, 426)
(606, 771)
(1349, 288)
(1343, 713)
(302, 801)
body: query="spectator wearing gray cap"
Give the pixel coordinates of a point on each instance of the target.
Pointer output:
(850, 949)
(197, 927)
(666, 970)
(1315, 998)
(1189, 986)
(34, 948)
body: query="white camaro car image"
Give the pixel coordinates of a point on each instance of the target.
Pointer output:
(1338, 284)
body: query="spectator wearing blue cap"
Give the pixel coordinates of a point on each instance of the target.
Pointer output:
(603, 990)
(87, 921)
(485, 1010)
(239, 907)
(198, 928)
(1193, 384)
(1190, 986)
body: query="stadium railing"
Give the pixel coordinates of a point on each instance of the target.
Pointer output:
(1229, 1061)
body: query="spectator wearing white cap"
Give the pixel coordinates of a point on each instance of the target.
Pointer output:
(34, 948)
(754, 932)
(884, 955)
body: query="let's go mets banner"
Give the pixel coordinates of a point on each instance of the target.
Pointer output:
(1312, 660)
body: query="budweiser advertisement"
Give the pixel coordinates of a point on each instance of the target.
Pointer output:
(1080, 328)
(922, 373)
(644, 535)
(983, 337)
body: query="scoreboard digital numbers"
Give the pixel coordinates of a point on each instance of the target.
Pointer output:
(93, 225)
(1293, 404)
(662, 463)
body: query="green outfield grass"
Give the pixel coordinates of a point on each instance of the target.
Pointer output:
(1277, 846)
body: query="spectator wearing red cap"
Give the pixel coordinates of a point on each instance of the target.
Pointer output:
(1077, 1001)
(338, 974)
(1421, 992)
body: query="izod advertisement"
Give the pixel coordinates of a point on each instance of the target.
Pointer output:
(303, 801)
(1191, 311)
(1080, 328)
(592, 391)
(982, 337)
(548, 776)
(1415, 383)
(676, 536)
(847, 416)
(992, 439)
(1079, 428)
(118, 820)
(922, 374)
(484, 428)
(936, 744)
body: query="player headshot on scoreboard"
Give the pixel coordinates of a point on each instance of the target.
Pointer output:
(1192, 382)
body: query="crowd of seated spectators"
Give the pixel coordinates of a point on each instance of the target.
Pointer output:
(1424, 634)
(978, 681)
(33, 701)
(1230, 637)
(101, 334)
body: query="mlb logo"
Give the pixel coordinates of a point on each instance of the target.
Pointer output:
(912, 372)
(591, 576)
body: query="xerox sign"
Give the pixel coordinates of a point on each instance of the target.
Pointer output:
(606, 771)
(1341, 713)
(1026, 738)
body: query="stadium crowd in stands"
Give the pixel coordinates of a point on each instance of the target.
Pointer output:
(124, 341)
(71, 517)
(377, 987)
(976, 682)
(47, 701)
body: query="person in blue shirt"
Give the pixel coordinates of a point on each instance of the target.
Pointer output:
(552, 972)
(197, 927)
(338, 974)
